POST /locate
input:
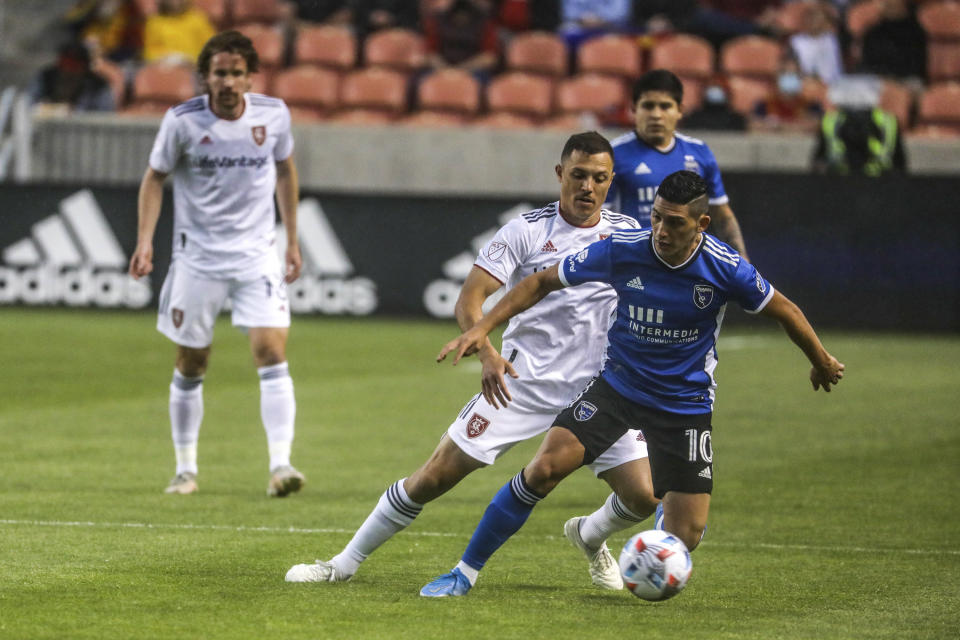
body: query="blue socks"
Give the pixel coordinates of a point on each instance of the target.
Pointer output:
(507, 512)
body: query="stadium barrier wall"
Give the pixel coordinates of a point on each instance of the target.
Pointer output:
(106, 149)
(854, 253)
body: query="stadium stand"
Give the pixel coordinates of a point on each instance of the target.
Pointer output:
(861, 16)
(941, 21)
(375, 89)
(434, 119)
(216, 10)
(898, 100)
(685, 55)
(504, 120)
(268, 42)
(609, 54)
(538, 52)
(399, 49)
(756, 57)
(449, 90)
(330, 46)
(603, 96)
(246, 11)
(313, 91)
(745, 92)
(522, 94)
(157, 87)
(940, 106)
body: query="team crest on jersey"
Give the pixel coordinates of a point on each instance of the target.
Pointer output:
(177, 316)
(690, 164)
(760, 284)
(476, 425)
(584, 411)
(604, 236)
(495, 250)
(259, 134)
(702, 295)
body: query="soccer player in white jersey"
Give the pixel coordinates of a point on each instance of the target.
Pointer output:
(228, 151)
(673, 283)
(550, 353)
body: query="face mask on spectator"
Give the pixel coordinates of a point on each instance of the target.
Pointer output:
(789, 83)
(715, 95)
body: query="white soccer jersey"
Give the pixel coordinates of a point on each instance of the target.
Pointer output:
(224, 178)
(558, 344)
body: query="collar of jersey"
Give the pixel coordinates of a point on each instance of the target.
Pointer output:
(673, 143)
(682, 265)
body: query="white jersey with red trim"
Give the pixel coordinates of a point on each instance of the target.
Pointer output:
(559, 344)
(224, 179)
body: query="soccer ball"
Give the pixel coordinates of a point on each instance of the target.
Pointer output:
(655, 565)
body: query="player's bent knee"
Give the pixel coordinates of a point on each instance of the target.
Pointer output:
(642, 502)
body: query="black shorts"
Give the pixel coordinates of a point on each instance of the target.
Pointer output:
(679, 445)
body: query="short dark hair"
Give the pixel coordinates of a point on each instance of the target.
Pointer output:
(658, 80)
(683, 187)
(229, 42)
(590, 142)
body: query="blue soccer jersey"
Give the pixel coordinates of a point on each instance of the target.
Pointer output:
(662, 346)
(640, 169)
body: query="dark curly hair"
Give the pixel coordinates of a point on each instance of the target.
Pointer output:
(229, 42)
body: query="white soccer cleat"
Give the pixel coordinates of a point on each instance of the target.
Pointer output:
(319, 571)
(183, 484)
(284, 481)
(604, 570)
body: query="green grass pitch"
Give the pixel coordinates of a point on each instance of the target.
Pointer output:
(834, 516)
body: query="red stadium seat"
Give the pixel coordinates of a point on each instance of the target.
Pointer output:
(603, 96)
(941, 21)
(308, 87)
(684, 55)
(520, 93)
(268, 42)
(326, 45)
(538, 52)
(940, 105)
(610, 54)
(452, 90)
(745, 92)
(363, 117)
(400, 49)
(433, 120)
(156, 87)
(216, 10)
(898, 100)
(377, 89)
(751, 56)
(245, 11)
(504, 120)
(861, 16)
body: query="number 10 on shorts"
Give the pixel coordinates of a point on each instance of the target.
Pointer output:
(700, 442)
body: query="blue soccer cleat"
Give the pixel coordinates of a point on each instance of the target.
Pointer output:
(449, 584)
(658, 521)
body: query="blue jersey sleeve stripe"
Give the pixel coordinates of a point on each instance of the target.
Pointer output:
(719, 256)
(766, 300)
(712, 243)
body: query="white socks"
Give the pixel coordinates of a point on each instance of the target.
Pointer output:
(278, 409)
(186, 414)
(393, 513)
(612, 517)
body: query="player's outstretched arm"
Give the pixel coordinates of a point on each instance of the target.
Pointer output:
(149, 201)
(527, 293)
(479, 286)
(288, 196)
(826, 370)
(724, 225)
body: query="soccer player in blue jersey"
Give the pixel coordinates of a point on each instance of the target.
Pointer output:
(673, 282)
(654, 149)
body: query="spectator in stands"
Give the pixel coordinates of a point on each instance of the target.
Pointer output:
(585, 19)
(462, 33)
(70, 84)
(113, 27)
(817, 45)
(693, 16)
(338, 12)
(373, 15)
(176, 33)
(787, 108)
(715, 113)
(863, 141)
(896, 45)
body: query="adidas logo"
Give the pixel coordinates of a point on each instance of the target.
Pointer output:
(71, 257)
(636, 283)
(325, 284)
(440, 296)
(706, 473)
(548, 247)
(642, 169)
(206, 140)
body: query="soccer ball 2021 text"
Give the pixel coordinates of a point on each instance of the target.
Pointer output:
(655, 565)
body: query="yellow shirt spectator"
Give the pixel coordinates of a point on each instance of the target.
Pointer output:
(180, 36)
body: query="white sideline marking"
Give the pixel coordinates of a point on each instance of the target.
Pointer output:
(437, 534)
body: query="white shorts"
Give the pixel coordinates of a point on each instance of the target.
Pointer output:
(485, 433)
(190, 303)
